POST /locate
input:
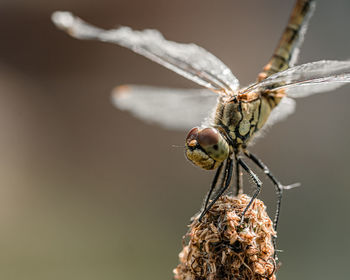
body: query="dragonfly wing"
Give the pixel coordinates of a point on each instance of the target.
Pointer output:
(307, 79)
(285, 108)
(318, 77)
(301, 89)
(188, 60)
(176, 109)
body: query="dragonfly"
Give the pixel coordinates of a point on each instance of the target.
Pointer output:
(223, 117)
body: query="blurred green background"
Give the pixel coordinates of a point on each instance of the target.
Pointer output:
(89, 192)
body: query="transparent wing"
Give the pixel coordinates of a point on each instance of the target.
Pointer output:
(188, 60)
(177, 109)
(285, 108)
(307, 79)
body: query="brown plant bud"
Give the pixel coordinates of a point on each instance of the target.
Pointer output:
(220, 247)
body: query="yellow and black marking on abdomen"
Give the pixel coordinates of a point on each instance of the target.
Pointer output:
(242, 119)
(290, 40)
(243, 116)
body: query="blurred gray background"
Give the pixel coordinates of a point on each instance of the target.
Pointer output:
(89, 192)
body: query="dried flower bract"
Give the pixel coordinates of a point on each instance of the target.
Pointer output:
(222, 248)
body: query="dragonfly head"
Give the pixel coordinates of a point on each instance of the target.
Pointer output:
(206, 147)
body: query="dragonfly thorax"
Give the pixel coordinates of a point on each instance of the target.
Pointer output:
(206, 147)
(243, 118)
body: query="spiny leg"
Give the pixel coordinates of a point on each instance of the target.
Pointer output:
(256, 181)
(239, 178)
(217, 175)
(278, 186)
(213, 185)
(279, 191)
(226, 180)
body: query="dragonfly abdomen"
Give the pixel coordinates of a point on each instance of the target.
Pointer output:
(287, 50)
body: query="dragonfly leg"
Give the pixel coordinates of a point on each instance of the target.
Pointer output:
(213, 185)
(256, 181)
(239, 177)
(223, 188)
(278, 186)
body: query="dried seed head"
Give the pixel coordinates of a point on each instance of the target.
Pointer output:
(221, 248)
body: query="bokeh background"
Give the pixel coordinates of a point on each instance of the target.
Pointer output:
(89, 192)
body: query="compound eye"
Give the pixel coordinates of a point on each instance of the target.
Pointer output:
(191, 138)
(208, 137)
